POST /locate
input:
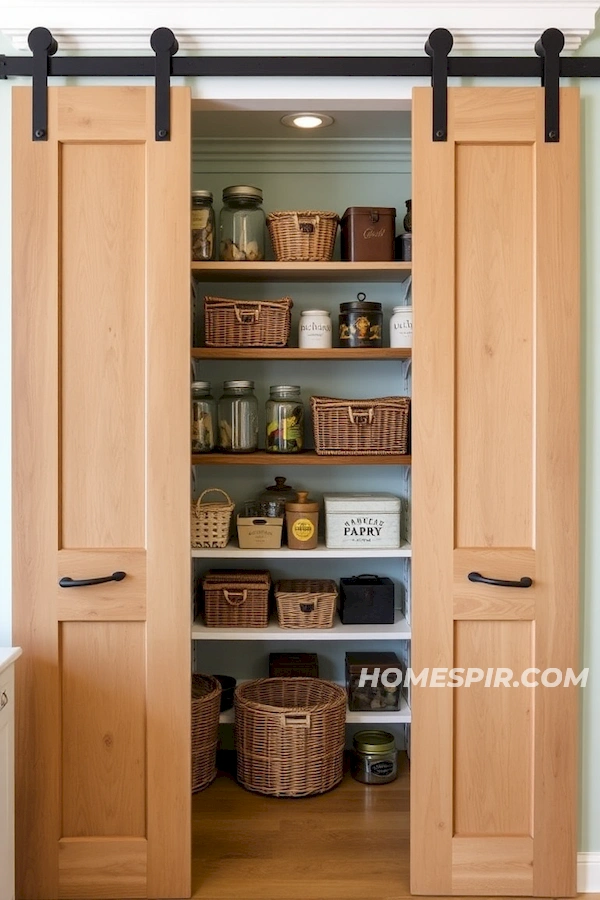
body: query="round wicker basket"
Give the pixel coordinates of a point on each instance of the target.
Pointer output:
(206, 705)
(289, 735)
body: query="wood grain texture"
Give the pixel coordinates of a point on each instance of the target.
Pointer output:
(473, 600)
(306, 458)
(301, 353)
(123, 875)
(483, 864)
(117, 600)
(301, 271)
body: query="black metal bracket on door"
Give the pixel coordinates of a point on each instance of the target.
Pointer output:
(165, 46)
(438, 46)
(42, 45)
(549, 49)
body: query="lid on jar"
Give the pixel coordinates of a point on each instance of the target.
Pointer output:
(280, 486)
(402, 309)
(201, 385)
(285, 389)
(242, 190)
(202, 195)
(374, 741)
(373, 212)
(227, 385)
(361, 303)
(302, 504)
(315, 312)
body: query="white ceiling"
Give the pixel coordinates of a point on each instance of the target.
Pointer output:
(247, 124)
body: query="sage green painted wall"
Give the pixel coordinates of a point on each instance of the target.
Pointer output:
(590, 737)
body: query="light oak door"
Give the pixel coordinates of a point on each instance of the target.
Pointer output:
(101, 485)
(495, 492)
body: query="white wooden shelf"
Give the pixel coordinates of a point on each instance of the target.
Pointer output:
(399, 631)
(399, 717)
(232, 551)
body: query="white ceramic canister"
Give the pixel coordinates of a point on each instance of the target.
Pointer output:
(401, 327)
(315, 329)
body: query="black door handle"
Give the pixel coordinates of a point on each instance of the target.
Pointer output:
(84, 582)
(524, 582)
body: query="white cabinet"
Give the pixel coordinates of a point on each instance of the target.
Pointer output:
(7, 780)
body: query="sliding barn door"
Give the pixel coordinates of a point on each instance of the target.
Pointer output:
(101, 485)
(495, 490)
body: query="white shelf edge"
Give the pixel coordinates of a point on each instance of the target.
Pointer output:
(398, 717)
(399, 631)
(322, 552)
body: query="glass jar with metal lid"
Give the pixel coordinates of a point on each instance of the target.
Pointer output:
(242, 224)
(204, 416)
(285, 419)
(203, 226)
(374, 757)
(238, 417)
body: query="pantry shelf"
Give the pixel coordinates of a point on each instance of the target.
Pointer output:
(232, 551)
(400, 716)
(399, 631)
(301, 271)
(306, 458)
(301, 353)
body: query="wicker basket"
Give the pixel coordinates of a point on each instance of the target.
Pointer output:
(211, 522)
(304, 236)
(306, 603)
(247, 323)
(206, 705)
(289, 735)
(236, 599)
(360, 427)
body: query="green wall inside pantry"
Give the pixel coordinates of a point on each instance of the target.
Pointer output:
(589, 839)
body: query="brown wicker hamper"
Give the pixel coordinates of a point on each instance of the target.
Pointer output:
(289, 735)
(247, 323)
(305, 236)
(360, 427)
(206, 704)
(236, 599)
(306, 603)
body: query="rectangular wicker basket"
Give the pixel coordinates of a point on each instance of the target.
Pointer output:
(304, 236)
(247, 323)
(306, 603)
(360, 427)
(236, 599)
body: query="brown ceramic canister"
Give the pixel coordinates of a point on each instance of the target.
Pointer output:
(302, 519)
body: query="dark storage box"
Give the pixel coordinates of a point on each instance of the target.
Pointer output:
(367, 600)
(384, 693)
(291, 665)
(368, 233)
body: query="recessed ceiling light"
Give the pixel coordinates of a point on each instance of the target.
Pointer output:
(307, 120)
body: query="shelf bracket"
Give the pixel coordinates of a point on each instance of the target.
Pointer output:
(165, 46)
(438, 46)
(42, 45)
(549, 48)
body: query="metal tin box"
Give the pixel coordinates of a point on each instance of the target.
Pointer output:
(368, 233)
(367, 600)
(362, 520)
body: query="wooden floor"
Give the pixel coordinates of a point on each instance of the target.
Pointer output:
(349, 844)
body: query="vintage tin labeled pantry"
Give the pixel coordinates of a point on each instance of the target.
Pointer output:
(118, 308)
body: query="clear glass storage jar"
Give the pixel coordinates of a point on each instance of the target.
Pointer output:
(203, 226)
(242, 224)
(204, 416)
(374, 757)
(238, 417)
(285, 419)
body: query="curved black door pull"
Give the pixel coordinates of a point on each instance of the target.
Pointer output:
(84, 582)
(524, 582)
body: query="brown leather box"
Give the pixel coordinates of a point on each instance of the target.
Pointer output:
(368, 233)
(290, 665)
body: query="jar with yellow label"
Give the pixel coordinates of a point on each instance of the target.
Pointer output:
(302, 519)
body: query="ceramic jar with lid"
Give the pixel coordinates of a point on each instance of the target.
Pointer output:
(315, 330)
(401, 327)
(302, 520)
(361, 323)
(277, 494)
(203, 226)
(242, 224)
(374, 757)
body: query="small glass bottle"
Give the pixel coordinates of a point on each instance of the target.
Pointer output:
(238, 417)
(204, 415)
(242, 224)
(203, 226)
(285, 419)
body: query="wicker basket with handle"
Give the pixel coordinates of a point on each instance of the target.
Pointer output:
(306, 603)
(304, 236)
(360, 427)
(247, 323)
(211, 522)
(289, 735)
(206, 704)
(236, 599)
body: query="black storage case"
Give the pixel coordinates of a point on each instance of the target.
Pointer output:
(367, 600)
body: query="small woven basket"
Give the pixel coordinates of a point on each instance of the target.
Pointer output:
(306, 603)
(236, 599)
(289, 735)
(206, 705)
(305, 236)
(211, 522)
(360, 427)
(247, 323)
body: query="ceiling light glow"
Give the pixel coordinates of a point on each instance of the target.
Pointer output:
(307, 120)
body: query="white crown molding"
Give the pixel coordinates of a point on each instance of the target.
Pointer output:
(299, 26)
